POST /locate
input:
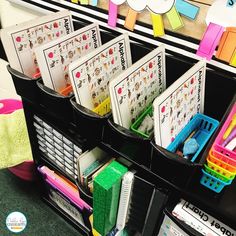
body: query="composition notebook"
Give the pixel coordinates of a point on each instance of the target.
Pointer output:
(19, 41)
(54, 57)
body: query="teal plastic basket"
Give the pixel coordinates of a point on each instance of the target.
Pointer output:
(213, 183)
(204, 127)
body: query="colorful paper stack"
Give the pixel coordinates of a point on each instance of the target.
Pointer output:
(220, 169)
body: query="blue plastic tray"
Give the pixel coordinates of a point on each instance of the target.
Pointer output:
(213, 183)
(204, 127)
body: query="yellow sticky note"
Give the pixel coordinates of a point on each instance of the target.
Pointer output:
(174, 19)
(233, 59)
(75, 1)
(157, 24)
(130, 19)
(84, 2)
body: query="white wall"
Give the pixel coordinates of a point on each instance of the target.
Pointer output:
(11, 14)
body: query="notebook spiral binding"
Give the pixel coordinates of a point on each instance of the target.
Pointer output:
(124, 200)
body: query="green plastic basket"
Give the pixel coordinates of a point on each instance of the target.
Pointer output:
(217, 174)
(134, 127)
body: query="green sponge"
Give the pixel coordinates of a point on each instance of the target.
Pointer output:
(106, 197)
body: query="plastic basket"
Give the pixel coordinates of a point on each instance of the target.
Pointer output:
(213, 183)
(219, 169)
(216, 160)
(224, 156)
(134, 127)
(203, 126)
(216, 174)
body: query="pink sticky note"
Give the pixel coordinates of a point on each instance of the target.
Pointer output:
(112, 17)
(210, 41)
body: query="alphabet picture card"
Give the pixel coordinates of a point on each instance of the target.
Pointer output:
(54, 57)
(135, 89)
(90, 75)
(20, 41)
(174, 108)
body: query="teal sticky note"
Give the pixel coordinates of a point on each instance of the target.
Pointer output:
(187, 9)
(94, 2)
(230, 3)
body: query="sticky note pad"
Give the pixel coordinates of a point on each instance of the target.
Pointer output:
(75, 1)
(210, 41)
(187, 9)
(233, 59)
(174, 19)
(106, 197)
(112, 14)
(94, 2)
(130, 19)
(157, 24)
(227, 45)
(84, 2)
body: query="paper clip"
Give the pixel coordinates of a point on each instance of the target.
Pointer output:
(210, 41)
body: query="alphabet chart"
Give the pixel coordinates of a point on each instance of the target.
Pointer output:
(178, 104)
(135, 89)
(54, 57)
(91, 74)
(20, 41)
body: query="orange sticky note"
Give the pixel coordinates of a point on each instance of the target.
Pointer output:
(130, 19)
(227, 45)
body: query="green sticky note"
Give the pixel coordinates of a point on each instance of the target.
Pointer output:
(174, 19)
(106, 197)
(84, 2)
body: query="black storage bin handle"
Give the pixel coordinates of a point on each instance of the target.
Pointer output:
(128, 134)
(19, 74)
(174, 157)
(86, 112)
(49, 91)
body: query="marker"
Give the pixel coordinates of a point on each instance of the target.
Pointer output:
(230, 127)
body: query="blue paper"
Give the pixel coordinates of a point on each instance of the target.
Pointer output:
(94, 2)
(187, 9)
(231, 3)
